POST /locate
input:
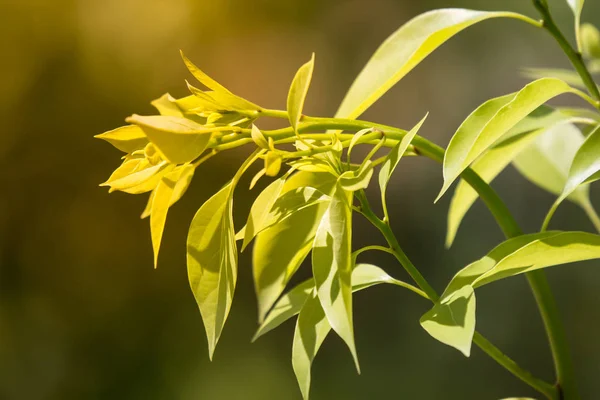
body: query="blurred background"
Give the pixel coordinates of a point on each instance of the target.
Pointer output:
(83, 315)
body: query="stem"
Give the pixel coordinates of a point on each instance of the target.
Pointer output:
(484, 344)
(573, 55)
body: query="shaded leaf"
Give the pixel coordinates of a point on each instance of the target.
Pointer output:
(590, 41)
(298, 91)
(258, 138)
(569, 76)
(491, 121)
(212, 262)
(403, 50)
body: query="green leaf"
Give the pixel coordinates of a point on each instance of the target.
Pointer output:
(577, 7)
(168, 191)
(590, 41)
(584, 169)
(452, 320)
(259, 139)
(406, 48)
(332, 266)
(393, 158)
(280, 249)
(491, 121)
(290, 304)
(358, 179)
(137, 176)
(166, 105)
(212, 262)
(202, 77)
(356, 138)
(298, 91)
(179, 140)
(273, 162)
(185, 173)
(493, 161)
(127, 138)
(547, 160)
(566, 75)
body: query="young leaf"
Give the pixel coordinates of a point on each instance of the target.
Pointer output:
(584, 169)
(212, 262)
(577, 7)
(166, 105)
(126, 138)
(393, 158)
(179, 140)
(406, 48)
(298, 91)
(272, 163)
(202, 77)
(258, 138)
(185, 175)
(452, 320)
(491, 121)
(290, 304)
(170, 189)
(547, 160)
(332, 266)
(280, 249)
(137, 176)
(358, 179)
(356, 138)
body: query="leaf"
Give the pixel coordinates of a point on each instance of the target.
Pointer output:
(565, 75)
(126, 138)
(280, 249)
(584, 169)
(166, 105)
(491, 121)
(258, 138)
(290, 304)
(452, 320)
(202, 77)
(547, 160)
(298, 91)
(394, 156)
(137, 176)
(212, 262)
(493, 161)
(406, 48)
(170, 189)
(590, 41)
(183, 182)
(577, 7)
(272, 163)
(356, 138)
(358, 179)
(179, 140)
(332, 266)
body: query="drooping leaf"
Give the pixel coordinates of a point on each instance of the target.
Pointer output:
(170, 189)
(280, 249)
(452, 320)
(491, 121)
(126, 138)
(546, 161)
(393, 158)
(332, 266)
(179, 140)
(406, 48)
(298, 91)
(212, 262)
(290, 304)
(358, 179)
(584, 169)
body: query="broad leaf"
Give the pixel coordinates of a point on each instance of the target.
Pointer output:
(170, 189)
(491, 121)
(280, 249)
(179, 140)
(547, 160)
(332, 266)
(166, 105)
(452, 320)
(406, 48)
(126, 138)
(298, 91)
(212, 262)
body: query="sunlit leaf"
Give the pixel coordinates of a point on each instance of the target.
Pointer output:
(168, 191)
(452, 320)
(356, 138)
(166, 105)
(179, 140)
(202, 77)
(491, 121)
(137, 176)
(404, 49)
(358, 179)
(273, 162)
(212, 262)
(332, 266)
(258, 138)
(298, 91)
(280, 249)
(546, 161)
(185, 174)
(126, 138)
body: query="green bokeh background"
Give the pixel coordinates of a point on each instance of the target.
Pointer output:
(83, 315)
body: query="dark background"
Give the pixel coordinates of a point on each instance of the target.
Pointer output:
(83, 315)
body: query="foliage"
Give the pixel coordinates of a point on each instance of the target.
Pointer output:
(309, 207)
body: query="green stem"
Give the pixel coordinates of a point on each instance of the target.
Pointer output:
(573, 55)
(484, 344)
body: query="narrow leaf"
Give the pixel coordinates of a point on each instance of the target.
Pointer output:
(358, 179)
(406, 48)
(491, 121)
(126, 138)
(298, 91)
(258, 138)
(202, 77)
(259, 213)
